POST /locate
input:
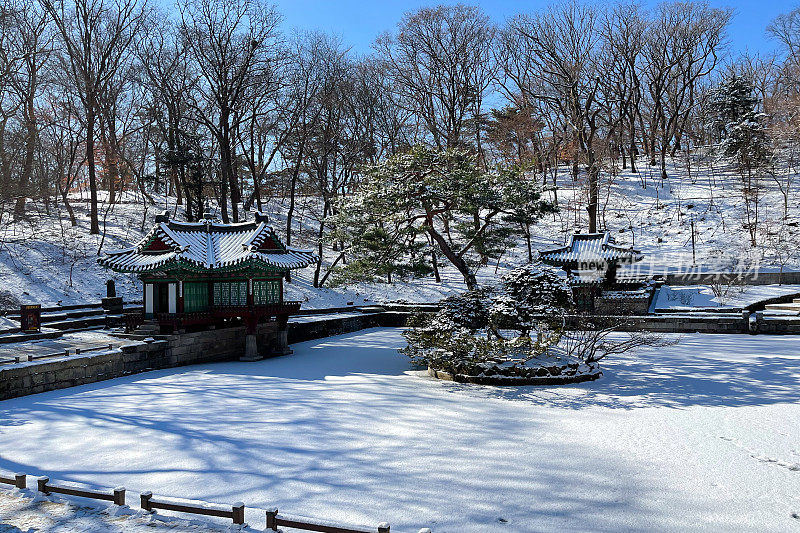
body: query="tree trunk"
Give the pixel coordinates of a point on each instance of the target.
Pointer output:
(435, 262)
(94, 226)
(27, 167)
(457, 261)
(228, 176)
(594, 197)
(292, 191)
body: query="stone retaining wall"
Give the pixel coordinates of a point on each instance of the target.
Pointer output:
(318, 329)
(753, 323)
(137, 356)
(513, 380)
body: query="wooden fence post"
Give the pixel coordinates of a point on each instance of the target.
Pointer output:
(41, 484)
(20, 481)
(119, 496)
(272, 519)
(238, 513)
(383, 527)
(145, 503)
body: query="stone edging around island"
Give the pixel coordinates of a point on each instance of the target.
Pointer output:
(513, 380)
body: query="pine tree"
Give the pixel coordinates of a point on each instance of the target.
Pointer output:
(533, 297)
(445, 195)
(740, 125)
(744, 139)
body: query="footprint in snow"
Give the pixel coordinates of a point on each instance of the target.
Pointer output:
(794, 467)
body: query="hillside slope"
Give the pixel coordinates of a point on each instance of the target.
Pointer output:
(44, 259)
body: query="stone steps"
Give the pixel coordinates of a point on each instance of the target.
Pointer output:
(148, 328)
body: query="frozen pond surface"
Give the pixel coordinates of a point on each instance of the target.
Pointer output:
(704, 435)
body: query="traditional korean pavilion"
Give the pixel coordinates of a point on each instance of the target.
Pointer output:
(592, 260)
(202, 273)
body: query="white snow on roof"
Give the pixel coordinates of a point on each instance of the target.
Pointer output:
(588, 248)
(209, 245)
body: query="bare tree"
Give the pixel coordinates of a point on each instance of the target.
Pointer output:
(440, 65)
(554, 57)
(623, 30)
(166, 73)
(97, 37)
(233, 45)
(9, 103)
(31, 43)
(682, 47)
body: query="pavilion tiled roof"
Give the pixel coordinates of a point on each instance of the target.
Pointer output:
(584, 249)
(207, 245)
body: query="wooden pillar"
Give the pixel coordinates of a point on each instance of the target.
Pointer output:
(250, 297)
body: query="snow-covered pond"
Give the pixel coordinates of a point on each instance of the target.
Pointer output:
(704, 435)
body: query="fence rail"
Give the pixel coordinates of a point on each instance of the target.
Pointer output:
(274, 521)
(236, 513)
(117, 496)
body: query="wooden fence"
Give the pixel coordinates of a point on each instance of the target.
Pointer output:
(149, 504)
(274, 521)
(117, 496)
(236, 513)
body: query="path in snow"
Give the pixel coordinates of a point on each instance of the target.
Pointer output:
(698, 436)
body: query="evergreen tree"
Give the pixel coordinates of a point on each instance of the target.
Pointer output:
(744, 139)
(444, 194)
(740, 124)
(383, 252)
(532, 296)
(474, 326)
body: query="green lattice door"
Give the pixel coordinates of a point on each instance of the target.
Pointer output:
(195, 297)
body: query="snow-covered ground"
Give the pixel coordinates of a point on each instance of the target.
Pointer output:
(687, 297)
(699, 436)
(27, 511)
(43, 259)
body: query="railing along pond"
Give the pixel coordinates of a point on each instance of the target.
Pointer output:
(149, 504)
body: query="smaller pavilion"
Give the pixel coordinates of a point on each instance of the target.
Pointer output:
(592, 260)
(204, 273)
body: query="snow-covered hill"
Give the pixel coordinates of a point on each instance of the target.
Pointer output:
(44, 259)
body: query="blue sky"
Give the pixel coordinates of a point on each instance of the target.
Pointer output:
(358, 22)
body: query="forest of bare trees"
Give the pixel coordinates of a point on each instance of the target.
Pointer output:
(211, 103)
